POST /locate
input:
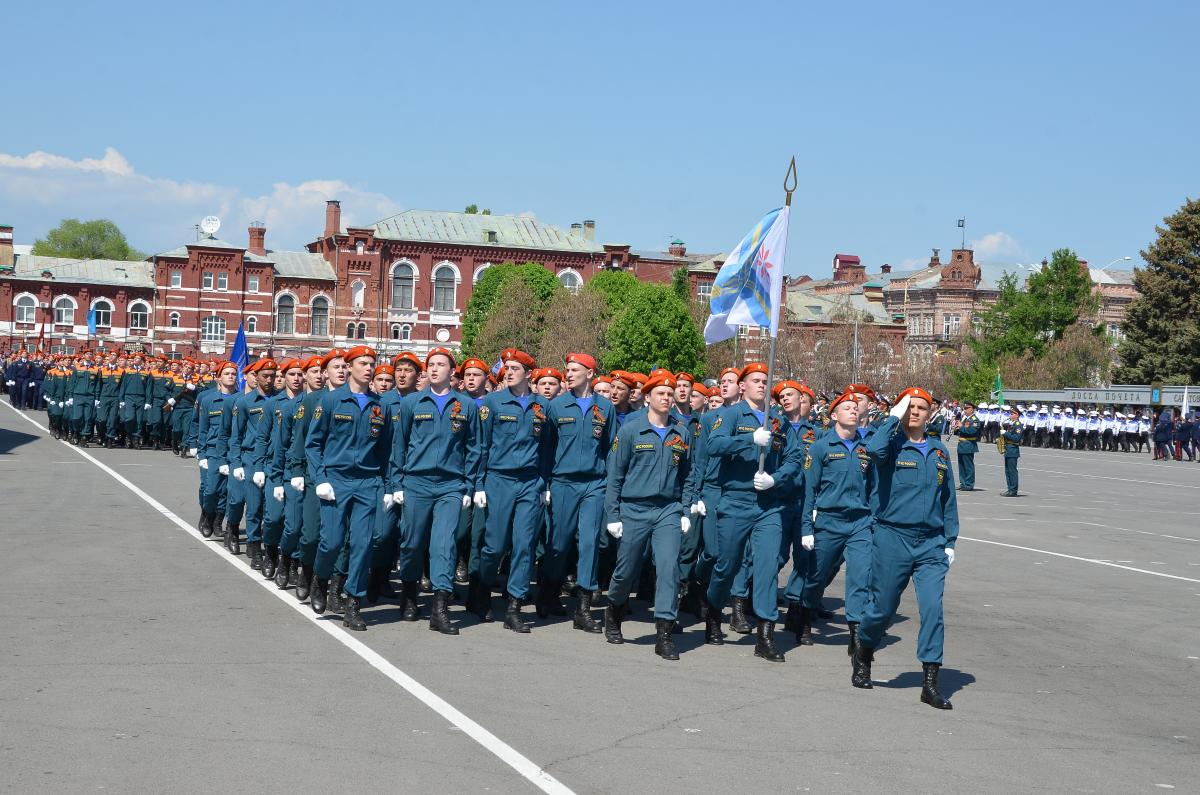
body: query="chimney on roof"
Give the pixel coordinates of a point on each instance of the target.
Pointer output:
(333, 217)
(589, 230)
(677, 248)
(935, 260)
(6, 246)
(258, 238)
(886, 268)
(577, 229)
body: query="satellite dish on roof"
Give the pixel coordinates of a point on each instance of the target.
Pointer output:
(210, 225)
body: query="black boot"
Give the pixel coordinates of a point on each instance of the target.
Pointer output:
(713, 635)
(852, 626)
(512, 616)
(737, 621)
(791, 621)
(426, 584)
(583, 613)
(334, 601)
(613, 615)
(218, 525)
(233, 539)
(804, 636)
(304, 579)
(283, 570)
(319, 590)
(479, 601)
(568, 585)
(765, 647)
(254, 552)
(409, 610)
(206, 524)
(929, 690)
(861, 661)
(548, 603)
(270, 561)
(690, 602)
(373, 586)
(664, 644)
(460, 572)
(351, 619)
(439, 619)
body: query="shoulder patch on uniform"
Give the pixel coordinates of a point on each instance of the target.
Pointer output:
(299, 415)
(808, 462)
(717, 424)
(614, 446)
(484, 412)
(317, 414)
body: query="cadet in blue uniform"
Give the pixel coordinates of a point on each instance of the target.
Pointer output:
(347, 448)
(915, 530)
(385, 542)
(969, 431)
(512, 486)
(582, 426)
(839, 487)
(83, 397)
(268, 463)
(474, 377)
(319, 372)
(648, 486)
(215, 412)
(248, 414)
(796, 400)
(435, 456)
(1013, 431)
(937, 422)
(750, 514)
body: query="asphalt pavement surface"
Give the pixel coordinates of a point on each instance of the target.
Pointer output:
(138, 657)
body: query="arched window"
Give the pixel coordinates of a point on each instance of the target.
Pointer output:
(401, 332)
(103, 310)
(212, 329)
(64, 311)
(358, 291)
(251, 325)
(362, 331)
(479, 272)
(26, 309)
(403, 279)
(571, 280)
(443, 289)
(173, 320)
(285, 315)
(319, 315)
(139, 316)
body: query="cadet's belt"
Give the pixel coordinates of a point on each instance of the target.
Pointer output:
(919, 531)
(526, 472)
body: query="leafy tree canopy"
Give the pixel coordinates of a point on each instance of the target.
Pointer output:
(98, 239)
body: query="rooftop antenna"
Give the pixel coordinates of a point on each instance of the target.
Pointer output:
(962, 224)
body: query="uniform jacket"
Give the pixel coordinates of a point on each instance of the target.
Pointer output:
(644, 467)
(915, 490)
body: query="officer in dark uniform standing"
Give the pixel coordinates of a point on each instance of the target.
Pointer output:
(1013, 431)
(969, 431)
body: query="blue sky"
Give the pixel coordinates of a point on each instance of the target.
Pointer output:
(1044, 124)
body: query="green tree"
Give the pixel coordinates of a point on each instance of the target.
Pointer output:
(473, 209)
(98, 239)
(538, 283)
(681, 284)
(1162, 325)
(1055, 298)
(616, 287)
(654, 328)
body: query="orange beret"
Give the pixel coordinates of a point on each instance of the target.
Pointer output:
(329, 357)
(519, 356)
(386, 369)
(292, 364)
(474, 363)
(602, 379)
(641, 378)
(700, 389)
(625, 378)
(587, 360)
(848, 395)
(736, 373)
(223, 365)
(411, 358)
(796, 385)
(359, 351)
(916, 391)
(267, 364)
(659, 378)
(861, 389)
(439, 352)
(547, 372)
(691, 379)
(753, 367)
(312, 361)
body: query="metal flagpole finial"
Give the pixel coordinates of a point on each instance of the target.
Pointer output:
(790, 180)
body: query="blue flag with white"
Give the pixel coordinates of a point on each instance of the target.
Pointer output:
(91, 318)
(749, 287)
(240, 355)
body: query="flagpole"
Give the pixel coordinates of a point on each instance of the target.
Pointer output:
(789, 185)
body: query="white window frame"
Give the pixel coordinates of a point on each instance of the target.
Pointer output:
(207, 280)
(445, 267)
(222, 281)
(174, 320)
(312, 317)
(573, 275)
(252, 284)
(209, 329)
(412, 284)
(20, 308)
(290, 326)
(252, 325)
(176, 278)
(70, 320)
(358, 294)
(139, 308)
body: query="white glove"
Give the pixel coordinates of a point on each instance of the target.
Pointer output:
(62, 405)
(33, 383)
(762, 437)
(202, 463)
(298, 484)
(698, 508)
(808, 543)
(949, 558)
(325, 491)
(11, 383)
(121, 405)
(146, 407)
(466, 500)
(398, 497)
(192, 452)
(223, 469)
(170, 401)
(71, 401)
(901, 408)
(685, 524)
(239, 473)
(480, 499)
(277, 493)
(546, 497)
(387, 501)
(763, 481)
(191, 386)
(97, 404)
(259, 478)
(615, 529)
(44, 397)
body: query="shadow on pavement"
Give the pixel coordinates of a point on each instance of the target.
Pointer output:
(11, 440)
(950, 681)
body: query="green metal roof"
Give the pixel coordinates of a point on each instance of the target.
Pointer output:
(469, 229)
(30, 267)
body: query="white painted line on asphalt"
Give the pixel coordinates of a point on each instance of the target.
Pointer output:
(1096, 477)
(1026, 520)
(1084, 560)
(506, 753)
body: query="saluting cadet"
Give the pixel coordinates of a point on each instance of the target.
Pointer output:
(796, 400)
(215, 412)
(471, 519)
(915, 531)
(581, 426)
(347, 448)
(648, 486)
(434, 464)
(1014, 432)
(512, 486)
(968, 445)
(317, 370)
(248, 414)
(749, 517)
(839, 485)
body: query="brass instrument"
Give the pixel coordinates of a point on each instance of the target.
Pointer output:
(1000, 442)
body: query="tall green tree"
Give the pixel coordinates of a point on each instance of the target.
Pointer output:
(654, 328)
(681, 284)
(97, 239)
(537, 282)
(1162, 325)
(615, 287)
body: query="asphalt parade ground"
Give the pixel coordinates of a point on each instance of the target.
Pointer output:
(138, 657)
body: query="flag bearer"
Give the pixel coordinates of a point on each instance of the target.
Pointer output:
(916, 527)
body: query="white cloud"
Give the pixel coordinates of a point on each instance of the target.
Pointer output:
(157, 214)
(997, 247)
(912, 264)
